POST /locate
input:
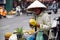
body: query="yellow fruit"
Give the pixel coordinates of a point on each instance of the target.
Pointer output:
(7, 35)
(24, 31)
(31, 31)
(32, 22)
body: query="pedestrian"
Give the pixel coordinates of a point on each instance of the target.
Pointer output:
(3, 12)
(42, 18)
(0, 14)
(55, 7)
(1, 9)
(23, 5)
(18, 10)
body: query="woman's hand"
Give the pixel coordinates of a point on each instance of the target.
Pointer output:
(38, 25)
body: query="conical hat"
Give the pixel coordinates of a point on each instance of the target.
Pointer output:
(36, 4)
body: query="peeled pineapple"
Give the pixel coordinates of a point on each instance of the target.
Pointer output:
(31, 31)
(11, 12)
(7, 34)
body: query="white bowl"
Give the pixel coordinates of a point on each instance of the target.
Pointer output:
(10, 16)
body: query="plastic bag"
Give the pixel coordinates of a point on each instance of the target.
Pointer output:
(39, 36)
(13, 37)
(31, 37)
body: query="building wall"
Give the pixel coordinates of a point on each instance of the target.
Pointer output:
(9, 5)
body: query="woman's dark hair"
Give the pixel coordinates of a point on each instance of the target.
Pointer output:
(42, 9)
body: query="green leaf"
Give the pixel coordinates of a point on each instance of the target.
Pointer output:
(19, 30)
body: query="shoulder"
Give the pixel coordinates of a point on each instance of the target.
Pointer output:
(46, 15)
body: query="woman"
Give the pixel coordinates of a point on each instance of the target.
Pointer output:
(55, 7)
(42, 18)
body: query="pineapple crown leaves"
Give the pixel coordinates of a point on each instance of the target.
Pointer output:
(19, 30)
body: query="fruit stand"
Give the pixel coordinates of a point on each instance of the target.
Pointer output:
(20, 34)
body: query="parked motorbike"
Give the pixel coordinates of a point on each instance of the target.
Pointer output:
(55, 29)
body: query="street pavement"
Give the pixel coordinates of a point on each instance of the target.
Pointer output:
(10, 24)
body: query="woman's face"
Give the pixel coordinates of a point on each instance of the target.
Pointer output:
(37, 11)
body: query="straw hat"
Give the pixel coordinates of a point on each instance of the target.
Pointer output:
(36, 4)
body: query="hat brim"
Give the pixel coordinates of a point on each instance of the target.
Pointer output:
(32, 9)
